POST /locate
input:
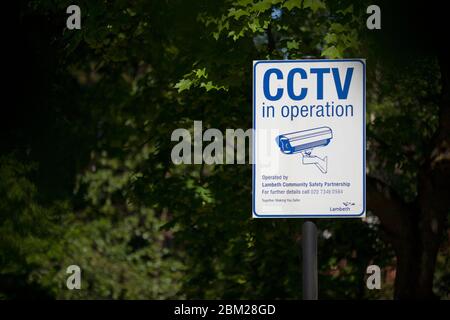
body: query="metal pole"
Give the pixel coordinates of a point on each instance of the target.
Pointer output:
(309, 261)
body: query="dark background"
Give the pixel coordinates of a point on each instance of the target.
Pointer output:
(85, 170)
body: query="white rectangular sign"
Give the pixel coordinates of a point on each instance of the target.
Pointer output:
(309, 139)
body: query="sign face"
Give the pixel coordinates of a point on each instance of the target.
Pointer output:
(309, 141)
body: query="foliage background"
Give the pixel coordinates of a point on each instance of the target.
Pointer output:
(85, 170)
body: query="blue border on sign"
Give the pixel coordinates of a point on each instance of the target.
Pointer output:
(320, 215)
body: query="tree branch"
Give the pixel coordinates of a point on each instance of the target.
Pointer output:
(395, 215)
(270, 39)
(398, 221)
(434, 190)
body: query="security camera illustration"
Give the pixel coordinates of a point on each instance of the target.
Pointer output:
(304, 142)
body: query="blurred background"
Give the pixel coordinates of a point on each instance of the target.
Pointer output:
(86, 176)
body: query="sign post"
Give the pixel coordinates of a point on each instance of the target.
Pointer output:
(309, 260)
(309, 145)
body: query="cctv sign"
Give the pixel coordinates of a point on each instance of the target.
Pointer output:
(309, 138)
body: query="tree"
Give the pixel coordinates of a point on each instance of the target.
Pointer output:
(92, 136)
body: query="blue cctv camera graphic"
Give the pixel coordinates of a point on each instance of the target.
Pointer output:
(304, 142)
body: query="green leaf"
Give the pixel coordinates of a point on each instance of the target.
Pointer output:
(262, 5)
(236, 14)
(211, 86)
(291, 4)
(331, 52)
(314, 5)
(348, 10)
(330, 38)
(201, 73)
(183, 84)
(255, 26)
(292, 44)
